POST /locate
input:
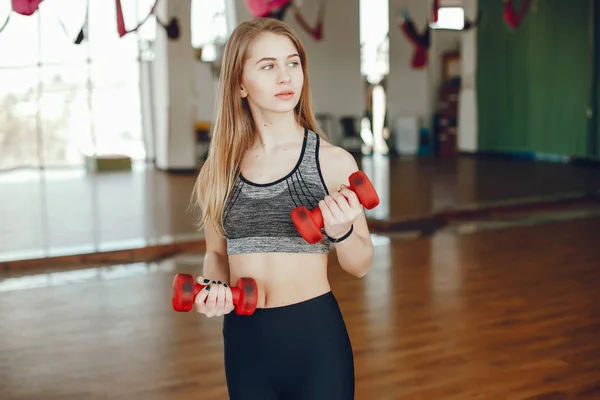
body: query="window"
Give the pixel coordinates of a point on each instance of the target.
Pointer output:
(374, 42)
(452, 18)
(210, 27)
(60, 101)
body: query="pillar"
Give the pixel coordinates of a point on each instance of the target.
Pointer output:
(173, 92)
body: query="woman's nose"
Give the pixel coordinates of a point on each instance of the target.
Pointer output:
(284, 77)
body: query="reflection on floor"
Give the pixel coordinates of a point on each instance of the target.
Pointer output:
(497, 314)
(70, 212)
(59, 276)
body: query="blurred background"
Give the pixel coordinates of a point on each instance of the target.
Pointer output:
(476, 120)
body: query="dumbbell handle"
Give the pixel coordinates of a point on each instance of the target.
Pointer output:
(355, 179)
(185, 290)
(310, 222)
(236, 292)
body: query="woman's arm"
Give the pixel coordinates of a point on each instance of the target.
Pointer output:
(215, 299)
(355, 253)
(341, 211)
(216, 262)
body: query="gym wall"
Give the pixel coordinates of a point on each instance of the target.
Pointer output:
(534, 84)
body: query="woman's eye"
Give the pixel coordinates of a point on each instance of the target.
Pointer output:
(271, 66)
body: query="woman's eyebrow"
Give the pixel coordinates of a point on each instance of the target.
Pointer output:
(274, 59)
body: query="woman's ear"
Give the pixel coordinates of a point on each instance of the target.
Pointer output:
(243, 92)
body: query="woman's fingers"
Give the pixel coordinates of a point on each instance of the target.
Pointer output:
(202, 280)
(214, 300)
(200, 300)
(220, 299)
(228, 300)
(211, 300)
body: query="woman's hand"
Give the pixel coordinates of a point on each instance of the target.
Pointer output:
(340, 210)
(215, 299)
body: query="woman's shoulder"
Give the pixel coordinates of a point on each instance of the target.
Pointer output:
(337, 164)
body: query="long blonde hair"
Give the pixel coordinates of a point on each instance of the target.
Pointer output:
(233, 131)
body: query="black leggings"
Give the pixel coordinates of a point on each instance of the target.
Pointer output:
(296, 352)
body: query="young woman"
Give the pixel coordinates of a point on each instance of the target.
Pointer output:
(267, 157)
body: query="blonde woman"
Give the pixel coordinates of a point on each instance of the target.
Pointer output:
(267, 156)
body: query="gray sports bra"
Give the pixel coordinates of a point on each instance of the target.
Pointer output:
(257, 216)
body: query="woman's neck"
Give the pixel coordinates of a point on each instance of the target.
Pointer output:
(276, 129)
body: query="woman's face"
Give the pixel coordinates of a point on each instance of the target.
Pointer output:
(272, 78)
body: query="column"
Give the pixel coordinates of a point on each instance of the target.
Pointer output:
(173, 91)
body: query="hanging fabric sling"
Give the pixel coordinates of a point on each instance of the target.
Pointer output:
(513, 17)
(317, 32)
(435, 10)
(172, 28)
(29, 7)
(121, 21)
(268, 8)
(81, 35)
(25, 7)
(468, 25)
(420, 42)
(5, 23)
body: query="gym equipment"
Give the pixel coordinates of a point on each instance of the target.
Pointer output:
(25, 7)
(309, 223)
(435, 10)
(315, 32)
(278, 9)
(514, 17)
(171, 28)
(421, 41)
(265, 8)
(185, 289)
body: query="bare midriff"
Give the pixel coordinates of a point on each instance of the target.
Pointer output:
(282, 278)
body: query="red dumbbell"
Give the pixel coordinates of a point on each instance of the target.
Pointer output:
(185, 289)
(309, 223)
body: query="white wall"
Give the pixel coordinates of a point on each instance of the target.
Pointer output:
(172, 93)
(467, 117)
(415, 92)
(409, 91)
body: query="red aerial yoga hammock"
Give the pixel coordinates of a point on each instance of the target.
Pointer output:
(121, 21)
(266, 8)
(28, 8)
(317, 32)
(172, 28)
(420, 41)
(277, 9)
(513, 17)
(435, 11)
(25, 7)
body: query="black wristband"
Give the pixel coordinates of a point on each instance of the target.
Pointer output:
(332, 240)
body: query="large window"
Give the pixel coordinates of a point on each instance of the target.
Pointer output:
(374, 39)
(211, 26)
(61, 101)
(452, 18)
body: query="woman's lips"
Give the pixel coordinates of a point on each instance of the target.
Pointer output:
(285, 94)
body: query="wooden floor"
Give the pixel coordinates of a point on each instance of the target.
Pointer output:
(56, 213)
(507, 313)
